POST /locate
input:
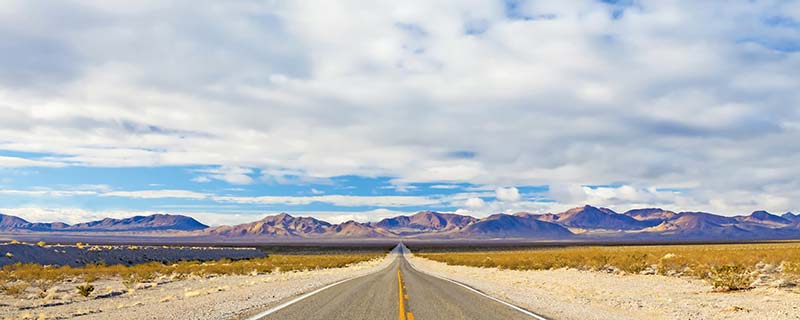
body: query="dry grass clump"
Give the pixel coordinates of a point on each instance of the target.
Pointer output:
(730, 277)
(726, 266)
(16, 278)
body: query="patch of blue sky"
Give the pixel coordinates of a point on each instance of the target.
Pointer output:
(476, 27)
(533, 189)
(780, 45)
(618, 7)
(24, 154)
(675, 190)
(598, 186)
(103, 180)
(127, 178)
(412, 29)
(781, 21)
(515, 10)
(462, 154)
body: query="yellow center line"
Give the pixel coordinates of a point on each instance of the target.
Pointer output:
(401, 308)
(402, 314)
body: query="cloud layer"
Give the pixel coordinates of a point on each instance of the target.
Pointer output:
(674, 103)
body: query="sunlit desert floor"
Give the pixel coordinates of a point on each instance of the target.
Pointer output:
(575, 294)
(213, 297)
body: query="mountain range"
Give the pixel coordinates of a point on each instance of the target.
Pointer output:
(156, 222)
(581, 223)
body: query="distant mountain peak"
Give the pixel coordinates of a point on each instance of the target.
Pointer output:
(650, 214)
(589, 217)
(765, 217)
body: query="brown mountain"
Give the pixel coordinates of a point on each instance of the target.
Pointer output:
(588, 217)
(156, 222)
(764, 217)
(546, 217)
(354, 230)
(649, 214)
(512, 226)
(590, 223)
(11, 223)
(425, 221)
(280, 226)
(795, 218)
(701, 224)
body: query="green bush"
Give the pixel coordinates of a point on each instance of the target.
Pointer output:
(85, 290)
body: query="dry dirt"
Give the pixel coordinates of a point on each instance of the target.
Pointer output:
(221, 297)
(575, 294)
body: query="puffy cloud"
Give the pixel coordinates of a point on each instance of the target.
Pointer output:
(509, 194)
(475, 203)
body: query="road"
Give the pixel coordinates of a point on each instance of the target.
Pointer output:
(397, 292)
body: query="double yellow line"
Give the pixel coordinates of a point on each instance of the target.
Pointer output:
(402, 314)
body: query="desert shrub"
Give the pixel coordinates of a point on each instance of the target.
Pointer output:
(44, 277)
(631, 263)
(791, 267)
(85, 289)
(730, 277)
(686, 260)
(14, 289)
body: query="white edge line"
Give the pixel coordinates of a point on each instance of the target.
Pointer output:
(293, 301)
(526, 312)
(298, 299)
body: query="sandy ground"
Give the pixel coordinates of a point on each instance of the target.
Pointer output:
(222, 297)
(575, 294)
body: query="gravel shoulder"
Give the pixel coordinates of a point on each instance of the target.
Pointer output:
(576, 294)
(221, 297)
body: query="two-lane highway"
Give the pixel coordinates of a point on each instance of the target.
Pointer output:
(397, 292)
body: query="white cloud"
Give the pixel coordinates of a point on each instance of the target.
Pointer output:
(444, 186)
(201, 179)
(509, 194)
(156, 194)
(229, 174)
(475, 203)
(334, 199)
(672, 93)
(48, 193)
(339, 200)
(12, 162)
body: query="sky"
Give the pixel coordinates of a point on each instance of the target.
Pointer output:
(231, 110)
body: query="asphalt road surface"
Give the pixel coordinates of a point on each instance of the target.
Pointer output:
(397, 292)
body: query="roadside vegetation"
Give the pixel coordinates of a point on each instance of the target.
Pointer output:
(16, 279)
(725, 266)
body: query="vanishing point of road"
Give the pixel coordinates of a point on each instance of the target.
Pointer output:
(396, 292)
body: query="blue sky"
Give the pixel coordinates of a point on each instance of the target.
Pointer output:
(232, 110)
(185, 189)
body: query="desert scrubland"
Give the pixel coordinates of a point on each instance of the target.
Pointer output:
(81, 254)
(184, 289)
(721, 281)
